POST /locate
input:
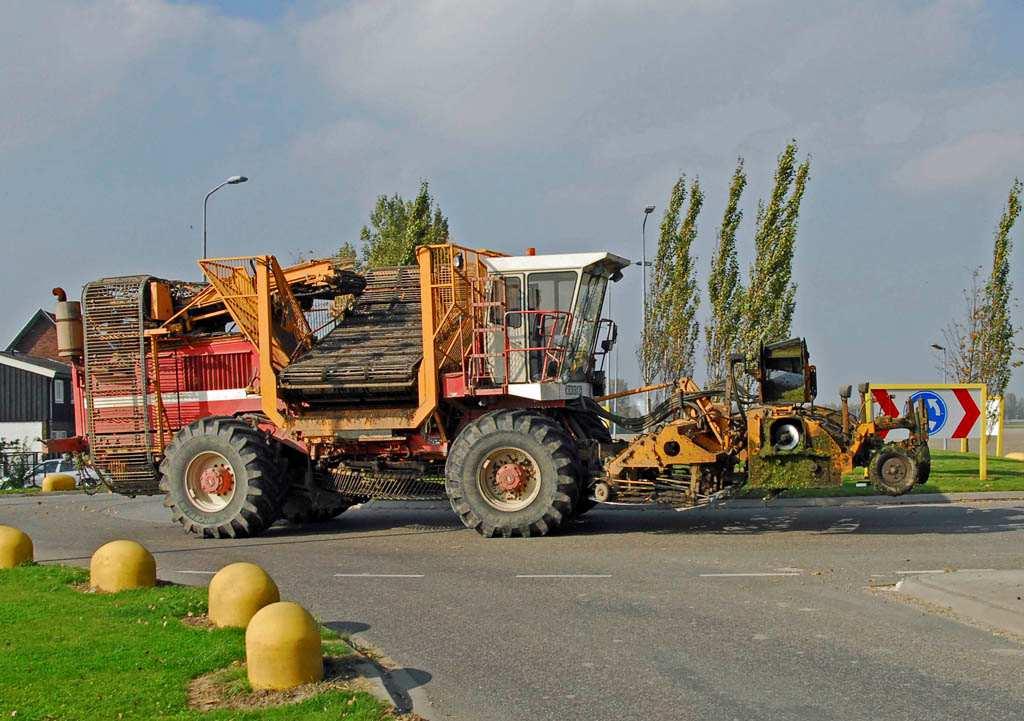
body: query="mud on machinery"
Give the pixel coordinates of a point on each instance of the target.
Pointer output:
(267, 392)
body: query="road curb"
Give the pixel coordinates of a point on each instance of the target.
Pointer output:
(391, 683)
(982, 597)
(911, 499)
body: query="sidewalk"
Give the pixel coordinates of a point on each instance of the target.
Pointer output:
(992, 599)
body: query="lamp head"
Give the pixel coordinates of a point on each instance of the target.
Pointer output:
(648, 210)
(236, 179)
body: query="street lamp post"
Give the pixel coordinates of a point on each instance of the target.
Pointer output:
(945, 364)
(643, 267)
(233, 180)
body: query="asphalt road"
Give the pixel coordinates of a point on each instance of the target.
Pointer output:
(764, 613)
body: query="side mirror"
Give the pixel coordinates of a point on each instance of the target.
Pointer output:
(613, 335)
(845, 392)
(863, 388)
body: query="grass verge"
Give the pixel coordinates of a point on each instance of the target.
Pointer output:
(952, 472)
(126, 656)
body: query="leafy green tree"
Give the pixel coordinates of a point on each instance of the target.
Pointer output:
(725, 290)
(347, 254)
(981, 341)
(398, 226)
(770, 298)
(1014, 407)
(347, 251)
(669, 336)
(998, 332)
(964, 336)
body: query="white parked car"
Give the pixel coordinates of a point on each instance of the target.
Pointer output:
(53, 465)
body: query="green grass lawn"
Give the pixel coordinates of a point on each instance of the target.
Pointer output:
(65, 654)
(952, 472)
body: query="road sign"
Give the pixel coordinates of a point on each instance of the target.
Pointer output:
(954, 411)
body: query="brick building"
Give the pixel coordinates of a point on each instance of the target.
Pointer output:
(38, 337)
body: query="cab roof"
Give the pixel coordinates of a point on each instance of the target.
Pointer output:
(554, 261)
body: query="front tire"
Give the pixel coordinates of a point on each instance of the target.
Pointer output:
(222, 479)
(893, 470)
(512, 473)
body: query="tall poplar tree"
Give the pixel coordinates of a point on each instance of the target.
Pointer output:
(998, 332)
(681, 326)
(653, 346)
(725, 290)
(669, 337)
(770, 298)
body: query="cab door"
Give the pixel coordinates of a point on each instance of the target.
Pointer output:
(506, 331)
(515, 327)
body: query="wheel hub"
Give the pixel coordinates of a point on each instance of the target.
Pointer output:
(894, 470)
(210, 481)
(218, 480)
(511, 478)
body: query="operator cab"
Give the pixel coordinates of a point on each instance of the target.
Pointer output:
(543, 336)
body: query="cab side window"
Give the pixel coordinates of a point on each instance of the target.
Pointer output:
(514, 301)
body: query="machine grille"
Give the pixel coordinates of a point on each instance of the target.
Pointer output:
(119, 424)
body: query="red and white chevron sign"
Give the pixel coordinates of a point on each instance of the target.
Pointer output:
(953, 412)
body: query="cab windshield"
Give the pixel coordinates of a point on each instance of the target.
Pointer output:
(586, 320)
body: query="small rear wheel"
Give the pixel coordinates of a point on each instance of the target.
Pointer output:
(222, 479)
(893, 470)
(512, 473)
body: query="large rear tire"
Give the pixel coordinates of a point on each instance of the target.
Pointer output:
(223, 479)
(512, 473)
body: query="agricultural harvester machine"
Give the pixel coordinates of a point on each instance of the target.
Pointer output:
(266, 392)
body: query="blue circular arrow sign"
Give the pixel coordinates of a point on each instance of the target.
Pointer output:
(936, 408)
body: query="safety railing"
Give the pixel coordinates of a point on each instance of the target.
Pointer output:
(539, 339)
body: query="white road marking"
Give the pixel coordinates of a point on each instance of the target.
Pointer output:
(378, 575)
(890, 506)
(748, 575)
(197, 573)
(563, 575)
(920, 573)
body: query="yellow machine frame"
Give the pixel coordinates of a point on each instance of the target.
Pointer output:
(252, 288)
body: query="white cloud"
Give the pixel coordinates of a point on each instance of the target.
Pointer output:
(62, 61)
(627, 79)
(975, 159)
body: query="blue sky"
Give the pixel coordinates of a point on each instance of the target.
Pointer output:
(547, 124)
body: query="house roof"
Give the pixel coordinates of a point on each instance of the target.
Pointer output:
(35, 364)
(36, 317)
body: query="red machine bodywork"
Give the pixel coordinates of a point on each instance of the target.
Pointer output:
(197, 378)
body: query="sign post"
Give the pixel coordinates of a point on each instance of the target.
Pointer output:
(955, 410)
